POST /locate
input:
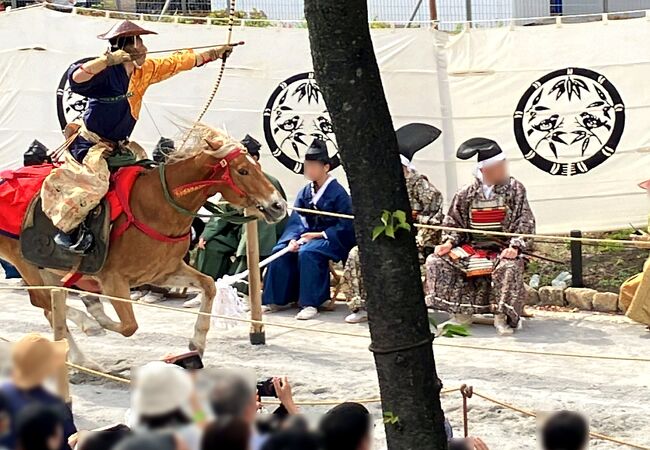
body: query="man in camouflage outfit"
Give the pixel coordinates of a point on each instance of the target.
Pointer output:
(426, 208)
(494, 202)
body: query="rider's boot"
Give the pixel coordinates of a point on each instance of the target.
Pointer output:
(78, 241)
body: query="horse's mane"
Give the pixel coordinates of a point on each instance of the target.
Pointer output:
(202, 138)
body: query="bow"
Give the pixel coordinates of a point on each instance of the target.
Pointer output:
(222, 69)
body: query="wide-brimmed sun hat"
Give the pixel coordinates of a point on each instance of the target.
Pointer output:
(36, 358)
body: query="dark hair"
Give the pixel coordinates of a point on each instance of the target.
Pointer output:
(36, 424)
(565, 430)
(105, 439)
(119, 43)
(345, 427)
(291, 440)
(231, 395)
(170, 419)
(231, 434)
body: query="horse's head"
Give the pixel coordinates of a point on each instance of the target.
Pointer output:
(237, 175)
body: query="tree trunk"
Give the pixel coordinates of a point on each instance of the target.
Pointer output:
(346, 71)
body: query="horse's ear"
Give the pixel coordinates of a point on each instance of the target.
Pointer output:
(214, 142)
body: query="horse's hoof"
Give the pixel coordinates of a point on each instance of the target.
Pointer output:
(94, 330)
(195, 348)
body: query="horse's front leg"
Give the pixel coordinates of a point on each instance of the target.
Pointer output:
(116, 286)
(186, 276)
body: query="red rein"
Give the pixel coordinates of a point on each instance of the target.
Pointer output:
(225, 178)
(223, 167)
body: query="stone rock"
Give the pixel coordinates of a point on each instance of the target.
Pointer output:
(551, 296)
(580, 298)
(532, 296)
(606, 302)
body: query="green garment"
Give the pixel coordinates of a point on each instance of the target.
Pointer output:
(225, 248)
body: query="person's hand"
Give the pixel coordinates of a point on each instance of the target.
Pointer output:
(311, 236)
(201, 244)
(509, 253)
(442, 250)
(222, 52)
(478, 444)
(293, 245)
(284, 393)
(117, 57)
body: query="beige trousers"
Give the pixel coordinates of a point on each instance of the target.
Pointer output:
(74, 189)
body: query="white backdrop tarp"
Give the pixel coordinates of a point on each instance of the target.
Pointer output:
(468, 85)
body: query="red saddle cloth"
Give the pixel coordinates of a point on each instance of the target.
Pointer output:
(18, 188)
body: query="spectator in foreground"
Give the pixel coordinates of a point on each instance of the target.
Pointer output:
(161, 403)
(104, 439)
(152, 441)
(347, 426)
(34, 359)
(565, 430)
(470, 443)
(292, 440)
(231, 434)
(39, 427)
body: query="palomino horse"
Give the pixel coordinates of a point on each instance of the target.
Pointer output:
(211, 163)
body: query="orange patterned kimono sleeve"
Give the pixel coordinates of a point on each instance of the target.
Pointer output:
(154, 71)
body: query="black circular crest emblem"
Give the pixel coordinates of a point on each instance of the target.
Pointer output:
(294, 116)
(569, 121)
(69, 106)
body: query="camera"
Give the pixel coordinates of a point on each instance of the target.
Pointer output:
(266, 388)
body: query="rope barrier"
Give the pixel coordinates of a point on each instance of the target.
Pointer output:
(330, 332)
(529, 413)
(623, 242)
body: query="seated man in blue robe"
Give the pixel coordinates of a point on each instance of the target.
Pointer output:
(302, 275)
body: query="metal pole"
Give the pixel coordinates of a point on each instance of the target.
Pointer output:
(433, 10)
(415, 13)
(257, 334)
(58, 298)
(606, 6)
(576, 260)
(468, 11)
(14, 4)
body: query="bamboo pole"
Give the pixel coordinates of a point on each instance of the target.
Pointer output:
(60, 328)
(257, 334)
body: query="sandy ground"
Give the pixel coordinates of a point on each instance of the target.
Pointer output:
(613, 394)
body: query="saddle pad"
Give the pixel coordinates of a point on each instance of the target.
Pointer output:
(17, 189)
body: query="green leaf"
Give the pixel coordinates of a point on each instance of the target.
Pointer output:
(390, 231)
(385, 215)
(390, 418)
(404, 226)
(451, 330)
(400, 216)
(379, 229)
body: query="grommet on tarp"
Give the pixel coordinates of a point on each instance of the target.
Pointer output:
(401, 348)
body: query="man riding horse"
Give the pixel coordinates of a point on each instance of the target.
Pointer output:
(115, 84)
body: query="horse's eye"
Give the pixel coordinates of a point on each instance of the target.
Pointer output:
(243, 172)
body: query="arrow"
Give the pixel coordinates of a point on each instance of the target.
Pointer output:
(232, 44)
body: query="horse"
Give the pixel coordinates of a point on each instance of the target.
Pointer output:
(151, 246)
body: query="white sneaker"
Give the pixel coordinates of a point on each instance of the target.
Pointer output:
(137, 295)
(193, 302)
(357, 317)
(501, 324)
(307, 313)
(152, 297)
(270, 309)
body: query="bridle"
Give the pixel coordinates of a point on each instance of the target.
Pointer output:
(220, 175)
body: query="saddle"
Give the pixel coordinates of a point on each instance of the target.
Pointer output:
(37, 240)
(22, 218)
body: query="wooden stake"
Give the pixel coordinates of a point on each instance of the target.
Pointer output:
(433, 10)
(59, 298)
(257, 334)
